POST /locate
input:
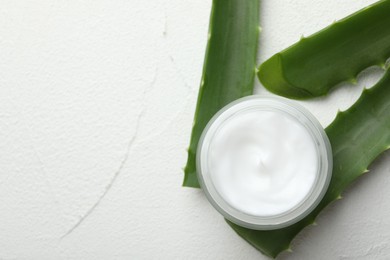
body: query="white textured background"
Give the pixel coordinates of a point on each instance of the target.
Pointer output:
(96, 107)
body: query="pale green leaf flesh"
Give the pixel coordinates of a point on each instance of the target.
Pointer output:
(314, 65)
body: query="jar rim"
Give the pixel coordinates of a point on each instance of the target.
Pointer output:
(324, 171)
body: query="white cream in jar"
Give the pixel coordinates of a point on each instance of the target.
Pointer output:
(264, 163)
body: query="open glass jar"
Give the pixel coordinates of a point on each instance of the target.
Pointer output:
(264, 162)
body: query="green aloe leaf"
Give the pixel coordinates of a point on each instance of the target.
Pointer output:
(358, 136)
(338, 53)
(229, 67)
(309, 68)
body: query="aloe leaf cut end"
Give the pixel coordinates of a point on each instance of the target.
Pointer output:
(271, 73)
(338, 53)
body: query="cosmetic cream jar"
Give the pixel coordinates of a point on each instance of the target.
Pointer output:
(264, 162)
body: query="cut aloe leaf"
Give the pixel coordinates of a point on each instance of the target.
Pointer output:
(314, 65)
(229, 68)
(358, 136)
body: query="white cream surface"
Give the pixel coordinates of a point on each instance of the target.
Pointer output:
(263, 163)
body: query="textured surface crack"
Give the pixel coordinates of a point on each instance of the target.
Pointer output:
(165, 30)
(180, 74)
(124, 160)
(112, 180)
